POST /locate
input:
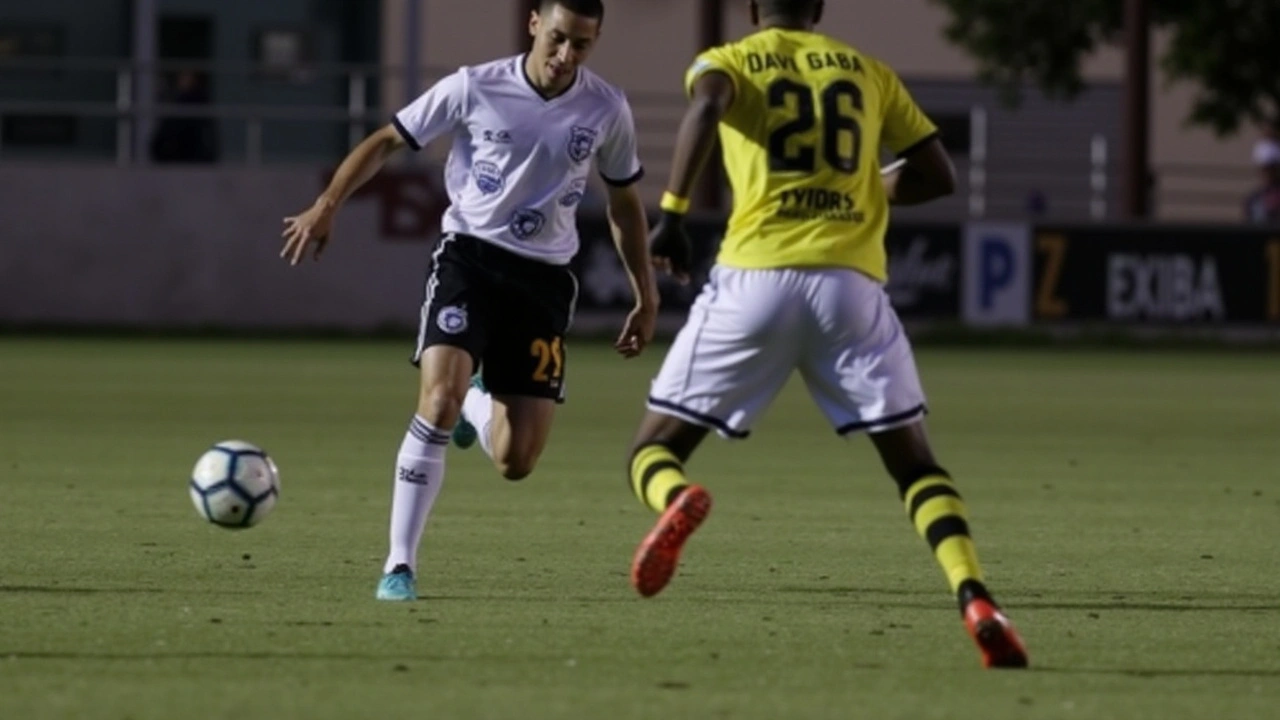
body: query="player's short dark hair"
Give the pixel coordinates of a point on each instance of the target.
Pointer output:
(788, 9)
(593, 9)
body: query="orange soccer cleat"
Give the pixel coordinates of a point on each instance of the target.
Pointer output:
(656, 558)
(996, 638)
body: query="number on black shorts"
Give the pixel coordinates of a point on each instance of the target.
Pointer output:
(550, 355)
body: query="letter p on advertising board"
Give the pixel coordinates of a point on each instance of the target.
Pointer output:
(997, 274)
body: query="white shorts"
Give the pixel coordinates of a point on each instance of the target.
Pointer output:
(749, 329)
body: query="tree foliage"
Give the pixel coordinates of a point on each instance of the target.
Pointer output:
(1229, 49)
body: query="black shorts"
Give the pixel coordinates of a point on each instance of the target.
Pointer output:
(509, 312)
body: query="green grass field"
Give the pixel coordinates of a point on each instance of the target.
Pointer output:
(1126, 505)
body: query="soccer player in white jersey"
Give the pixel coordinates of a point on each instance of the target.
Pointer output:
(500, 296)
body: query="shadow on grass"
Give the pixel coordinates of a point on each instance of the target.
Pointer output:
(257, 655)
(71, 590)
(533, 596)
(1142, 600)
(1162, 673)
(1150, 673)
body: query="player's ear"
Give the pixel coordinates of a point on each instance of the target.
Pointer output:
(535, 20)
(817, 12)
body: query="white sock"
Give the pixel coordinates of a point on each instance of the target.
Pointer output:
(419, 475)
(478, 407)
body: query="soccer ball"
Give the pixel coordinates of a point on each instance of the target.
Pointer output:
(234, 484)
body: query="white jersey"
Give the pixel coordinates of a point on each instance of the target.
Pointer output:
(519, 163)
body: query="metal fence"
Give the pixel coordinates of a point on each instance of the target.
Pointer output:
(124, 94)
(340, 104)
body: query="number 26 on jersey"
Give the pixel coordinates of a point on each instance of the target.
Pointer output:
(839, 145)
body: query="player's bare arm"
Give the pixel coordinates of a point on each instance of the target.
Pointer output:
(311, 227)
(713, 94)
(630, 231)
(926, 174)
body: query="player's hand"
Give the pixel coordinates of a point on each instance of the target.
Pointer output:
(638, 332)
(670, 247)
(307, 230)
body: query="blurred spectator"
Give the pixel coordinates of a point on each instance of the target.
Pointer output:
(186, 139)
(1263, 204)
(1268, 144)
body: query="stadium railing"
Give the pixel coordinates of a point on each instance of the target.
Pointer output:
(127, 93)
(1078, 183)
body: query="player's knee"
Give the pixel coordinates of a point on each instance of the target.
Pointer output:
(515, 454)
(516, 468)
(676, 436)
(440, 406)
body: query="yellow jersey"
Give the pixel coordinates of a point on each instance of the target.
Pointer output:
(801, 147)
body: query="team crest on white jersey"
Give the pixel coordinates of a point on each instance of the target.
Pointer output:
(488, 177)
(574, 194)
(582, 141)
(452, 319)
(527, 223)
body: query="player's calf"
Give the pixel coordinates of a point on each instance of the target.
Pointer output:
(656, 474)
(516, 433)
(935, 508)
(938, 513)
(515, 468)
(514, 459)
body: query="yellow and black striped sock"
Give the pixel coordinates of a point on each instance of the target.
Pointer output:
(939, 515)
(657, 476)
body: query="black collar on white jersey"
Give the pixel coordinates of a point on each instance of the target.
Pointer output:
(524, 73)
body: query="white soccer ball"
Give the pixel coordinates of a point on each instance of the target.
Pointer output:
(234, 484)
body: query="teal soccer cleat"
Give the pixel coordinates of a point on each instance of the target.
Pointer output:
(398, 585)
(464, 433)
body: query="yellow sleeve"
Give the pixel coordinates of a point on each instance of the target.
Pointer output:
(905, 124)
(718, 59)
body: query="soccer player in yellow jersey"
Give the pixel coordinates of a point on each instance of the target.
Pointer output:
(798, 285)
